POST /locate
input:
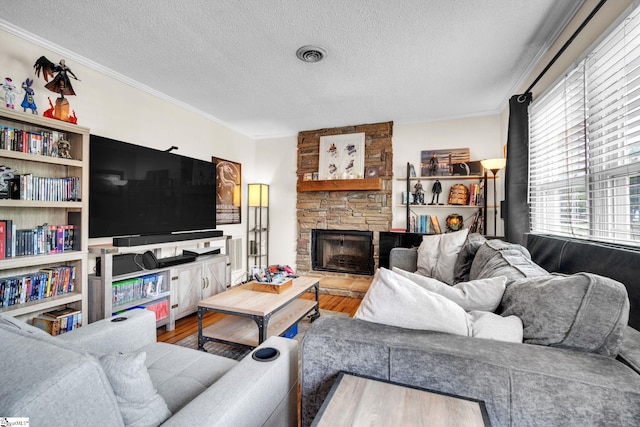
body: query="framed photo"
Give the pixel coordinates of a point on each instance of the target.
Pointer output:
(442, 162)
(342, 156)
(228, 191)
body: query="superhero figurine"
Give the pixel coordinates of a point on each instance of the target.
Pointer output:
(61, 83)
(28, 101)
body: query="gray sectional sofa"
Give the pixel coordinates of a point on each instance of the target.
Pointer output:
(115, 373)
(569, 370)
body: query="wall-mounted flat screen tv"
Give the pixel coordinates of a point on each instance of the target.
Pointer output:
(135, 190)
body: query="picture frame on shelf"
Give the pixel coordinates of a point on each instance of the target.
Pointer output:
(441, 162)
(341, 156)
(228, 191)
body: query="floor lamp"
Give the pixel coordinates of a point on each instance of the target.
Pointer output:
(494, 165)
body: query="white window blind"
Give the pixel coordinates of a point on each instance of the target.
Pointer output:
(584, 151)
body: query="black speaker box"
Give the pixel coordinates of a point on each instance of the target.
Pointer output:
(122, 264)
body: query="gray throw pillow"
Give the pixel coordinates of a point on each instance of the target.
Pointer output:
(583, 311)
(462, 267)
(499, 258)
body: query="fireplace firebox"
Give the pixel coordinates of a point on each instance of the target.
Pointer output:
(342, 251)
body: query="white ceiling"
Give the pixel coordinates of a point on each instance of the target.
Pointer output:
(408, 61)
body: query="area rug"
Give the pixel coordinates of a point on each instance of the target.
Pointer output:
(237, 352)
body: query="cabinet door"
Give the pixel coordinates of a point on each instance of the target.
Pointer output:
(187, 289)
(214, 276)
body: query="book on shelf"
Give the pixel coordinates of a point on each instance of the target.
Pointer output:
(435, 224)
(46, 283)
(43, 143)
(3, 239)
(58, 321)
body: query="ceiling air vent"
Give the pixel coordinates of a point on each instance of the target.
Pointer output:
(311, 53)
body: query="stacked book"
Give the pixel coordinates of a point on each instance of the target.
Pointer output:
(58, 322)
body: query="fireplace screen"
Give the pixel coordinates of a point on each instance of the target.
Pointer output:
(342, 251)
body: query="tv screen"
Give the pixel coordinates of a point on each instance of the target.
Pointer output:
(135, 190)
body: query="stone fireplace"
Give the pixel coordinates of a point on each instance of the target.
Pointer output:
(355, 205)
(342, 251)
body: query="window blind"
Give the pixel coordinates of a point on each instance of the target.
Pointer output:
(584, 152)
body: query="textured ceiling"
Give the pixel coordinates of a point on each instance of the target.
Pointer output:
(408, 61)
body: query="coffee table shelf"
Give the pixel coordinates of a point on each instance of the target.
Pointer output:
(242, 330)
(251, 316)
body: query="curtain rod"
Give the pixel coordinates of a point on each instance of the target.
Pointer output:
(566, 45)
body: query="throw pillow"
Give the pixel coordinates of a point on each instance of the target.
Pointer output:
(494, 327)
(397, 301)
(583, 311)
(140, 404)
(483, 294)
(499, 258)
(462, 268)
(438, 253)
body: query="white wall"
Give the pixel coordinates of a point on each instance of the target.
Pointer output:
(276, 165)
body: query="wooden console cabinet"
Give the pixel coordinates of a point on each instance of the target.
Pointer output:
(182, 285)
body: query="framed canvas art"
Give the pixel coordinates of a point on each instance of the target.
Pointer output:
(228, 191)
(342, 156)
(443, 162)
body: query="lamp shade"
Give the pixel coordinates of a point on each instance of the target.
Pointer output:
(494, 165)
(259, 195)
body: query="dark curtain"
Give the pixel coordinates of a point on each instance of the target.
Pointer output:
(516, 207)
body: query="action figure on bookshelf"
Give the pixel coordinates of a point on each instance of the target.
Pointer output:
(436, 190)
(9, 92)
(28, 102)
(61, 83)
(6, 173)
(419, 194)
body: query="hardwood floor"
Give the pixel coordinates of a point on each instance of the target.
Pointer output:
(189, 324)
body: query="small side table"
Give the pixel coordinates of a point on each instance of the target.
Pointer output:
(356, 401)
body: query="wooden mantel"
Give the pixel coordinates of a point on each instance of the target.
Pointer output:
(364, 184)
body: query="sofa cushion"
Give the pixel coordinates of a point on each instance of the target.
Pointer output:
(583, 311)
(394, 300)
(462, 267)
(140, 404)
(437, 255)
(482, 294)
(499, 258)
(180, 374)
(397, 301)
(36, 366)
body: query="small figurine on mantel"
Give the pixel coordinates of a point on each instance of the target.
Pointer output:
(419, 194)
(436, 190)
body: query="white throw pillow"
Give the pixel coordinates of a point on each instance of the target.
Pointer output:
(397, 301)
(139, 402)
(438, 253)
(481, 294)
(491, 326)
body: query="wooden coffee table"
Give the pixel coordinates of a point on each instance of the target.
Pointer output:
(356, 401)
(252, 316)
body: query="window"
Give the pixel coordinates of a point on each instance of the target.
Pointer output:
(584, 148)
